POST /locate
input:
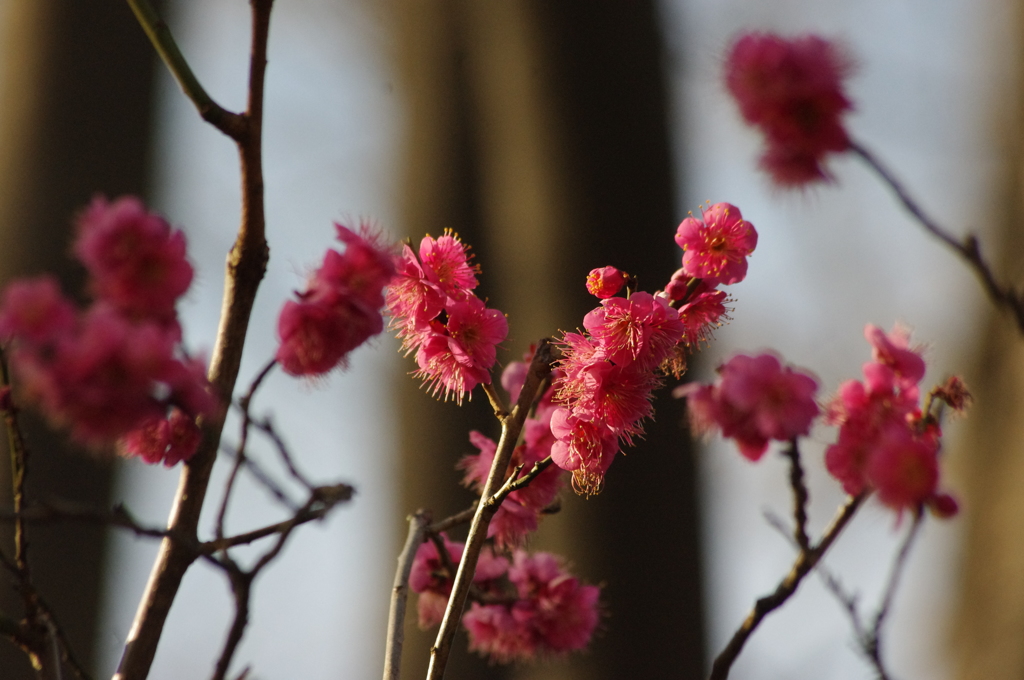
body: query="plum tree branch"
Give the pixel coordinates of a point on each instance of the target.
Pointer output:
(246, 265)
(418, 524)
(968, 249)
(511, 427)
(805, 562)
(231, 124)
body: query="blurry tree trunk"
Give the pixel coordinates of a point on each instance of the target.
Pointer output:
(538, 131)
(989, 629)
(75, 88)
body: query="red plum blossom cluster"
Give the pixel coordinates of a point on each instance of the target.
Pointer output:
(886, 443)
(340, 308)
(436, 315)
(113, 372)
(755, 400)
(609, 371)
(792, 90)
(529, 608)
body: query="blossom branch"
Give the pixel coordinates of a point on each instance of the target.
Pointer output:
(261, 476)
(453, 521)
(322, 500)
(418, 524)
(497, 403)
(159, 34)
(800, 495)
(19, 466)
(968, 249)
(805, 561)
(246, 265)
(265, 426)
(511, 427)
(38, 634)
(240, 457)
(515, 482)
(872, 642)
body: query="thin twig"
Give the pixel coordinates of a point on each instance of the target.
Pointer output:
(264, 478)
(511, 427)
(400, 595)
(246, 265)
(800, 495)
(873, 641)
(805, 561)
(19, 468)
(156, 30)
(240, 457)
(266, 426)
(241, 588)
(968, 249)
(322, 501)
(515, 482)
(455, 520)
(62, 511)
(497, 403)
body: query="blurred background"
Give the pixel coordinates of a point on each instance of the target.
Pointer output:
(554, 137)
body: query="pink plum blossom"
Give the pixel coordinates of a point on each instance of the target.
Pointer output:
(135, 260)
(755, 400)
(716, 246)
(436, 315)
(792, 89)
(36, 311)
(606, 282)
(431, 579)
(552, 614)
(113, 372)
(885, 443)
(339, 310)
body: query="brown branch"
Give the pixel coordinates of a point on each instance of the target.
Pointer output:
(267, 428)
(263, 477)
(969, 249)
(400, 595)
(241, 588)
(59, 511)
(515, 482)
(805, 561)
(322, 500)
(19, 468)
(240, 457)
(231, 124)
(453, 521)
(245, 269)
(800, 495)
(497, 403)
(511, 427)
(872, 641)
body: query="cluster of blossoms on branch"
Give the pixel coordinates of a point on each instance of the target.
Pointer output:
(115, 371)
(609, 371)
(886, 443)
(791, 90)
(436, 315)
(524, 608)
(340, 308)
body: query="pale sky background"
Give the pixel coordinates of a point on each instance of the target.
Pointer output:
(828, 261)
